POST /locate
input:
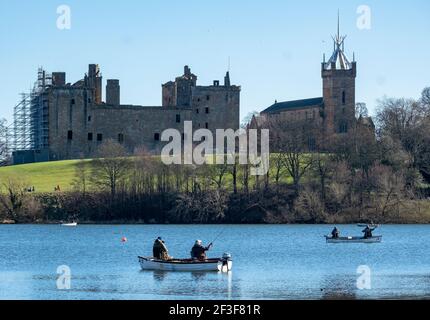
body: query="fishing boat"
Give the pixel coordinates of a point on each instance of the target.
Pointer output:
(375, 239)
(223, 264)
(72, 224)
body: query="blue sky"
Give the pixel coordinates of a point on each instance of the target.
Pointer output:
(275, 46)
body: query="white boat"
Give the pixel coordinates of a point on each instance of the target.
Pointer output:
(223, 264)
(375, 239)
(72, 224)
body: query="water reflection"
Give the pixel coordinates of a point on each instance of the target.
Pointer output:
(339, 287)
(159, 275)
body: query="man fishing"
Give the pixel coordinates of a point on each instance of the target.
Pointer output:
(368, 232)
(159, 250)
(199, 251)
(335, 233)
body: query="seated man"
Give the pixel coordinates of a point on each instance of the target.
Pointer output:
(199, 251)
(159, 250)
(335, 233)
(368, 232)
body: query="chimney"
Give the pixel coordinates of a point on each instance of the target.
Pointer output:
(58, 79)
(227, 79)
(95, 82)
(113, 92)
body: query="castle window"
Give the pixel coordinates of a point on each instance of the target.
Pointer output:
(90, 136)
(207, 125)
(183, 136)
(207, 110)
(120, 138)
(99, 137)
(89, 100)
(197, 111)
(343, 128)
(73, 101)
(343, 97)
(70, 135)
(208, 98)
(178, 118)
(157, 137)
(89, 118)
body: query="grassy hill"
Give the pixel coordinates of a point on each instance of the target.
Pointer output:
(43, 176)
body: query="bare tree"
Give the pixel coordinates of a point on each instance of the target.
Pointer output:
(81, 180)
(111, 167)
(291, 140)
(13, 198)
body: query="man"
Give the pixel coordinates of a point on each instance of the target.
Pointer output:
(159, 250)
(199, 251)
(335, 233)
(368, 232)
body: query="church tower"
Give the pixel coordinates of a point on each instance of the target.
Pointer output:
(338, 76)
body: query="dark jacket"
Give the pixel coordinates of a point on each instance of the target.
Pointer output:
(159, 250)
(199, 252)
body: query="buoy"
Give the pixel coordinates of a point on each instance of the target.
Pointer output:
(124, 239)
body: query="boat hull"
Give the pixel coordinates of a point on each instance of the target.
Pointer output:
(210, 265)
(74, 224)
(376, 239)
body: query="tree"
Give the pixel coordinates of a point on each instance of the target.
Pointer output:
(3, 140)
(291, 139)
(81, 180)
(111, 167)
(361, 110)
(13, 197)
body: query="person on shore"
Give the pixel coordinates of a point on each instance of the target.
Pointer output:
(368, 232)
(199, 251)
(159, 250)
(335, 233)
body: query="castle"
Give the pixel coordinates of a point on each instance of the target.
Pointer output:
(70, 121)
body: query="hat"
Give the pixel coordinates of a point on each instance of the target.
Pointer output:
(198, 242)
(159, 238)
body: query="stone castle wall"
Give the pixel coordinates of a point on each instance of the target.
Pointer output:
(78, 125)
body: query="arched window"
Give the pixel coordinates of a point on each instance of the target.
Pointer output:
(343, 97)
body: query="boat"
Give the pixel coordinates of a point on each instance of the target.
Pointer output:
(72, 224)
(223, 264)
(375, 239)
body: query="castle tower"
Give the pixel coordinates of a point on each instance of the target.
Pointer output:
(338, 76)
(95, 82)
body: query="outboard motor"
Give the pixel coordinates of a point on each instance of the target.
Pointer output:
(226, 256)
(226, 261)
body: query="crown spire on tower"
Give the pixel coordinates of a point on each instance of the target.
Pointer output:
(338, 59)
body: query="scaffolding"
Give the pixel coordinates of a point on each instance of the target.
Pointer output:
(30, 127)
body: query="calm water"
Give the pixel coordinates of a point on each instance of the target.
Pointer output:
(270, 262)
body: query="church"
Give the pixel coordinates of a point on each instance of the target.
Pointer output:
(334, 112)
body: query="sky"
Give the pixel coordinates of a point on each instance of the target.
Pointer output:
(275, 47)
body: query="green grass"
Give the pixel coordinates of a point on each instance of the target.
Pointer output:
(43, 176)
(46, 176)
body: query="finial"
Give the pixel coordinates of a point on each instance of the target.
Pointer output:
(338, 24)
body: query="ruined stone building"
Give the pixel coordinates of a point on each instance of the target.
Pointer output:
(70, 121)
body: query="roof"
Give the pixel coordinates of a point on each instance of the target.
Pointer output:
(339, 59)
(296, 104)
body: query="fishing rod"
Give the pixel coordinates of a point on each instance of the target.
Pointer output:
(218, 236)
